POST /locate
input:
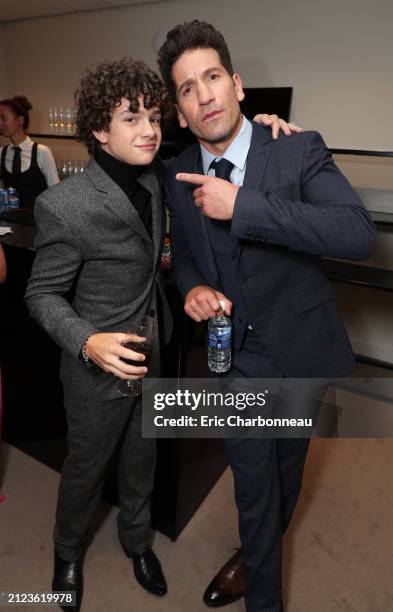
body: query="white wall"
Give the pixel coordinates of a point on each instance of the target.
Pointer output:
(337, 55)
(3, 80)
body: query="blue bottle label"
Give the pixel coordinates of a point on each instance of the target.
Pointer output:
(220, 338)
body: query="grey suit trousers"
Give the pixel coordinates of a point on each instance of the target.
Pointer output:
(94, 430)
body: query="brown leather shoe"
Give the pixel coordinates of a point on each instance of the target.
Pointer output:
(228, 585)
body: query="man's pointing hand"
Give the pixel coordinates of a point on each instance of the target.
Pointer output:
(214, 196)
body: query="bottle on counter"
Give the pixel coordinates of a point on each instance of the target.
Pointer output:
(4, 200)
(219, 350)
(13, 198)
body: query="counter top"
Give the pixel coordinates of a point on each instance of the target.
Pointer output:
(22, 235)
(377, 200)
(355, 274)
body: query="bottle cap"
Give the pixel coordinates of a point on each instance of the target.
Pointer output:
(222, 304)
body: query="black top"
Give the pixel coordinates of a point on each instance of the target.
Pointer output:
(29, 184)
(126, 177)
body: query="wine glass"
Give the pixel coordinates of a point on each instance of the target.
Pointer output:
(51, 121)
(61, 120)
(68, 120)
(55, 120)
(73, 120)
(64, 169)
(143, 332)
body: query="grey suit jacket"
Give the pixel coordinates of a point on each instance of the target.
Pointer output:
(96, 268)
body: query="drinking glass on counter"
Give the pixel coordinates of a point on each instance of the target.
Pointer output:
(69, 121)
(50, 120)
(68, 167)
(62, 120)
(62, 168)
(53, 119)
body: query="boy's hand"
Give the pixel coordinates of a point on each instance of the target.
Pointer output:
(108, 352)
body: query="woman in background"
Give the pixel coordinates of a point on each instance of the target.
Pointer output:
(25, 165)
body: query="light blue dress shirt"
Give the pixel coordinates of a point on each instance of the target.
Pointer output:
(236, 153)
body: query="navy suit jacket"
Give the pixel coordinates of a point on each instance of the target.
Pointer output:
(294, 207)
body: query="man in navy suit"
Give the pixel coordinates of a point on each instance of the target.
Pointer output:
(251, 218)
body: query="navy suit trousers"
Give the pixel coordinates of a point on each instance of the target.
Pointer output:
(268, 474)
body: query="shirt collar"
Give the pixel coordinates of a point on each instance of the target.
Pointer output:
(236, 152)
(25, 145)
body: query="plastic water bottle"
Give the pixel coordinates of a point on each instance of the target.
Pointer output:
(4, 199)
(13, 198)
(219, 350)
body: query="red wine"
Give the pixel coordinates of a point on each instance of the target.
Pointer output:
(138, 347)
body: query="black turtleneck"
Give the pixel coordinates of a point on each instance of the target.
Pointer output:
(126, 177)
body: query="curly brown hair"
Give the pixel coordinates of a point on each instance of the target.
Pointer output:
(186, 37)
(102, 88)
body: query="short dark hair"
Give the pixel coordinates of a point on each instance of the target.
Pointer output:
(187, 36)
(101, 90)
(20, 106)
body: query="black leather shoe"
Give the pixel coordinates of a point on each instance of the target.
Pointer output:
(68, 577)
(148, 572)
(228, 585)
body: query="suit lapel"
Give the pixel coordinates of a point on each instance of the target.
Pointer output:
(115, 198)
(149, 181)
(258, 155)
